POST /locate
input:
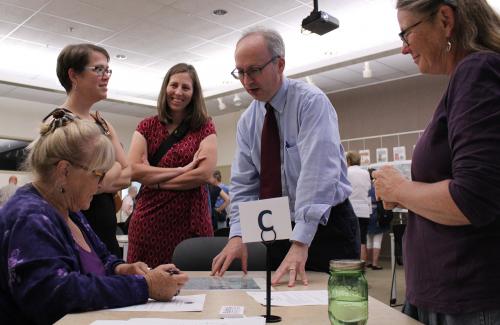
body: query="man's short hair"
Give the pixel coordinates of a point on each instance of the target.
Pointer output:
(275, 44)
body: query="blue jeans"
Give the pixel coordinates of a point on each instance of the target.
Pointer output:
(490, 317)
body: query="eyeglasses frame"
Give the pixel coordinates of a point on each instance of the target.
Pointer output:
(99, 174)
(253, 71)
(403, 35)
(95, 69)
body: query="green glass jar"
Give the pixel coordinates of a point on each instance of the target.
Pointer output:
(347, 293)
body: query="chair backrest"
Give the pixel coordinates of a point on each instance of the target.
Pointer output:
(196, 254)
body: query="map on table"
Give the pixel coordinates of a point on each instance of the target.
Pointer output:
(224, 283)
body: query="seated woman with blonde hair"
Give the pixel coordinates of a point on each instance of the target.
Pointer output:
(52, 263)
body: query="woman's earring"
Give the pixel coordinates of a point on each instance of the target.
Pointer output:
(448, 46)
(62, 190)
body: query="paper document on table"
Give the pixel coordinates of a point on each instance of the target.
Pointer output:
(225, 283)
(109, 322)
(292, 298)
(226, 321)
(178, 303)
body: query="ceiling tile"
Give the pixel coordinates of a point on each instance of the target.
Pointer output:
(29, 4)
(266, 7)
(400, 62)
(162, 65)
(344, 75)
(133, 58)
(68, 28)
(326, 84)
(131, 8)
(12, 14)
(235, 18)
(294, 17)
(212, 50)
(6, 28)
(229, 39)
(378, 69)
(152, 39)
(43, 37)
(176, 19)
(87, 14)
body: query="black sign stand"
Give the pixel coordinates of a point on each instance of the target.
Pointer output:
(269, 318)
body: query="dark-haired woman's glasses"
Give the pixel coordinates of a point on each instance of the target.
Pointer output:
(100, 70)
(95, 172)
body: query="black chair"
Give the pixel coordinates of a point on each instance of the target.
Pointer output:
(398, 231)
(196, 254)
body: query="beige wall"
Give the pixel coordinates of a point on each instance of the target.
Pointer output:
(397, 106)
(19, 119)
(393, 107)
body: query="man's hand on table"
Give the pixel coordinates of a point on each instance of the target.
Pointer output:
(233, 249)
(294, 264)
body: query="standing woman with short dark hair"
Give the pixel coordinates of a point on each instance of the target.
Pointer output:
(173, 204)
(83, 70)
(452, 239)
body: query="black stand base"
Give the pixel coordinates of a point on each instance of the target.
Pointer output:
(272, 318)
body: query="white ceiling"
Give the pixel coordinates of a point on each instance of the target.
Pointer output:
(155, 34)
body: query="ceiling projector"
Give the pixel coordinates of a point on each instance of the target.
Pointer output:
(320, 22)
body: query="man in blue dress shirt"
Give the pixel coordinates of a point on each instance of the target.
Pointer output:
(313, 167)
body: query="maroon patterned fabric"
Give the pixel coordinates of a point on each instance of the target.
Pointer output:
(162, 219)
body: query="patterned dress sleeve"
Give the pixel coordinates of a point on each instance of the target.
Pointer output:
(208, 128)
(44, 273)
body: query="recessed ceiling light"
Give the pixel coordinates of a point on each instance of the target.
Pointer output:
(219, 12)
(121, 56)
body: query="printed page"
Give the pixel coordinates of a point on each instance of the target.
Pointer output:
(292, 298)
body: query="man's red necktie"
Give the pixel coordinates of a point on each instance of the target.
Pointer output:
(270, 161)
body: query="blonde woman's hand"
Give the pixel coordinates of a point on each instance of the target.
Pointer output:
(165, 282)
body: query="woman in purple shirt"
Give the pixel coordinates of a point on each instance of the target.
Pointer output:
(452, 240)
(51, 262)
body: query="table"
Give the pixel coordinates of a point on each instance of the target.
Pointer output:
(123, 242)
(378, 312)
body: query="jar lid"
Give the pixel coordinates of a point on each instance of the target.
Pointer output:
(347, 264)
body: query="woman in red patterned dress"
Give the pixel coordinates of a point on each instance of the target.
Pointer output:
(172, 204)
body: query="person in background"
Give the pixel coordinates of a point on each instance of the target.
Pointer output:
(8, 190)
(128, 203)
(360, 198)
(376, 231)
(83, 71)
(218, 212)
(173, 204)
(452, 236)
(288, 144)
(51, 261)
(220, 200)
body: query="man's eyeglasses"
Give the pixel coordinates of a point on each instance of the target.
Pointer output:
(405, 32)
(252, 72)
(100, 70)
(95, 172)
